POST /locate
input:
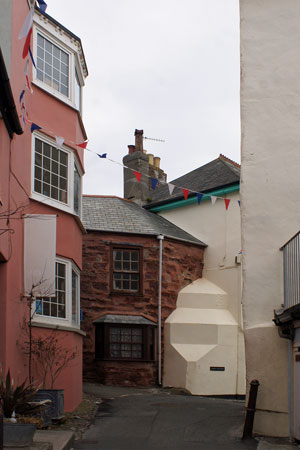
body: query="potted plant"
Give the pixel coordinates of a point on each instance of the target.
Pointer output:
(15, 401)
(50, 358)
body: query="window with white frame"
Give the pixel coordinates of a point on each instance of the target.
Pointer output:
(52, 65)
(58, 69)
(64, 306)
(56, 175)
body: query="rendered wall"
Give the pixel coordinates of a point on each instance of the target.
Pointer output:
(270, 113)
(221, 231)
(15, 184)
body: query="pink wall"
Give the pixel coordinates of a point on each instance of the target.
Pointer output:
(15, 184)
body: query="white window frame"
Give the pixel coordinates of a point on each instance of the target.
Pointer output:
(73, 65)
(72, 161)
(67, 321)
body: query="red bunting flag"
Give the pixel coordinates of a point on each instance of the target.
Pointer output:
(138, 175)
(185, 193)
(27, 44)
(227, 201)
(83, 144)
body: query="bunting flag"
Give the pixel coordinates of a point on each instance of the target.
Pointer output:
(185, 193)
(21, 95)
(27, 25)
(104, 155)
(227, 201)
(138, 175)
(42, 5)
(27, 44)
(34, 126)
(171, 188)
(31, 56)
(213, 199)
(83, 144)
(154, 182)
(28, 84)
(199, 197)
(59, 141)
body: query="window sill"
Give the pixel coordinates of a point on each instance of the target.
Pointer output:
(58, 327)
(136, 294)
(125, 360)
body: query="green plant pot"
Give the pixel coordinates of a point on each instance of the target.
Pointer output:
(18, 435)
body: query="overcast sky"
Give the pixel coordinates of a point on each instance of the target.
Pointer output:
(169, 67)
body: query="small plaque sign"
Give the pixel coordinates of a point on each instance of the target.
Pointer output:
(217, 369)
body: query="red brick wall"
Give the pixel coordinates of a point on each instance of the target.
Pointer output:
(182, 264)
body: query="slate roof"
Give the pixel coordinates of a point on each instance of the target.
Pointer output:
(216, 174)
(122, 318)
(116, 215)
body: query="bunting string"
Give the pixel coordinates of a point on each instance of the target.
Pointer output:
(26, 32)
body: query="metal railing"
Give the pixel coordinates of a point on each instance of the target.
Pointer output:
(291, 271)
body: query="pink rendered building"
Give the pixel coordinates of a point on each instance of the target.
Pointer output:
(40, 192)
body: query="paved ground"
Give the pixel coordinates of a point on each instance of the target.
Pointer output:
(157, 419)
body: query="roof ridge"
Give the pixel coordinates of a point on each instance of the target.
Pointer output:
(107, 196)
(230, 161)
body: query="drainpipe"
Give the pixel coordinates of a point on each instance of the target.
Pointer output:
(160, 237)
(290, 393)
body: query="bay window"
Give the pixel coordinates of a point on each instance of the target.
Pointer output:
(59, 68)
(56, 175)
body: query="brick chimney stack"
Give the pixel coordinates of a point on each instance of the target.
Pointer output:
(149, 166)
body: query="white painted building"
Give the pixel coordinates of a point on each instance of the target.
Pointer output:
(204, 345)
(270, 198)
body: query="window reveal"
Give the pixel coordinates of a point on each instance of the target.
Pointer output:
(124, 342)
(51, 171)
(126, 270)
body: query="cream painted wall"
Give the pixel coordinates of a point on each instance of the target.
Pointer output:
(270, 188)
(220, 230)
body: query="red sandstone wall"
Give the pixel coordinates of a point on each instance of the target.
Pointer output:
(182, 264)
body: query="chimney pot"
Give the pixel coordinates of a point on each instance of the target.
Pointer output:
(150, 159)
(139, 140)
(156, 161)
(131, 149)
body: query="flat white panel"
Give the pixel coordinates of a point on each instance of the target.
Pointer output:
(39, 255)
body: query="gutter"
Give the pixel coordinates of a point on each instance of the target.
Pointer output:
(169, 204)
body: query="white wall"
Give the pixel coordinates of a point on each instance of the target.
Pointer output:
(270, 188)
(221, 231)
(5, 31)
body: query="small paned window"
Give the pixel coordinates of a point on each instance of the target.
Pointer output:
(55, 306)
(66, 302)
(50, 171)
(77, 190)
(75, 280)
(77, 92)
(52, 65)
(128, 342)
(126, 270)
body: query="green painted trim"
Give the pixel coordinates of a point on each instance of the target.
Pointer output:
(194, 199)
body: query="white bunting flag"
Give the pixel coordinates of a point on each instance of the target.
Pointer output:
(213, 199)
(171, 188)
(59, 141)
(27, 24)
